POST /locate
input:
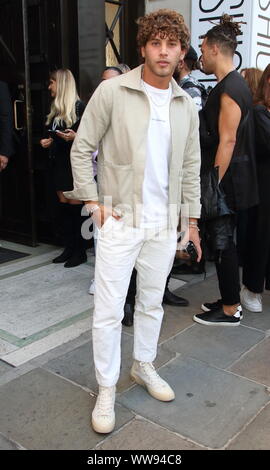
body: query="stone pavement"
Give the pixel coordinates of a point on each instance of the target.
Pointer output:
(221, 375)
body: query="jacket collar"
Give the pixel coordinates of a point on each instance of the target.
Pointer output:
(133, 78)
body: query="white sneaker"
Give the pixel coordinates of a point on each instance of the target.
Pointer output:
(145, 374)
(92, 287)
(103, 416)
(251, 301)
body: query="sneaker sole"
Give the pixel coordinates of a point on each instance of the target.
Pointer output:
(253, 310)
(211, 323)
(205, 309)
(139, 381)
(102, 429)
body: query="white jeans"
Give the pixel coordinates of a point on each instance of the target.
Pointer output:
(119, 249)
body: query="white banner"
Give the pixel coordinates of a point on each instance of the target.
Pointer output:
(253, 48)
(260, 42)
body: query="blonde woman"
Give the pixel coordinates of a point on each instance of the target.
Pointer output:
(61, 124)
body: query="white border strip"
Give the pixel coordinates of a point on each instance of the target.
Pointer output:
(44, 345)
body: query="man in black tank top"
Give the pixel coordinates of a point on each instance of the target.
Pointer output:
(227, 141)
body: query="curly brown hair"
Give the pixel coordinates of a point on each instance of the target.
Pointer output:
(163, 23)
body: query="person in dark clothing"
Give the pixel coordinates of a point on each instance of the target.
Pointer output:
(227, 141)
(62, 124)
(256, 265)
(252, 76)
(6, 126)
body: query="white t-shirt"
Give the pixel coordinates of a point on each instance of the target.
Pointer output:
(156, 177)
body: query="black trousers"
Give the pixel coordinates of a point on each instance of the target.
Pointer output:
(227, 268)
(218, 236)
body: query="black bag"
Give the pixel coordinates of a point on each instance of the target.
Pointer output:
(213, 199)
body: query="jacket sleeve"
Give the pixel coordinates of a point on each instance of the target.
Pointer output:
(191, 191)
(6, 122)
(94, 124)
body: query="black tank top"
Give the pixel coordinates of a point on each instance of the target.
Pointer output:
(240, 180)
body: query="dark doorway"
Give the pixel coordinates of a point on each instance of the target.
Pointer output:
(37, 36)
(17, 213)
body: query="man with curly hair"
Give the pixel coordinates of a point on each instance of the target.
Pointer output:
(146, 128)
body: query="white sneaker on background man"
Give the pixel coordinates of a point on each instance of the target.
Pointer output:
(250, 300)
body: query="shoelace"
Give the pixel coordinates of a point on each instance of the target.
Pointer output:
(151, 373)
(105, 401)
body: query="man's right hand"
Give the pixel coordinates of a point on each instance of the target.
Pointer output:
(100, 216)
(46, 143)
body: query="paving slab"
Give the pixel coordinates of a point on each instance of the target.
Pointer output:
(260, 321)
(6, 444)
(41, 411)
(43, 297)
(216, 345)
(256, 436)
(175, 320)
(143, 435)
(199, 411)
(50, 341)
(6, 347)
(175, 284)
(199, 291)
(25, 264)
(255, 364)
(78, 365)
(32, 250)
(4, 368)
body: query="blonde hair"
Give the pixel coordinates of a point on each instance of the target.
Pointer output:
(63, 107)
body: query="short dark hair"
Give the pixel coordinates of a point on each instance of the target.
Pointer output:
(163, 23)
(191, 59)
(224, 34)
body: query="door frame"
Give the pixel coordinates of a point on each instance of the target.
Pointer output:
(28, 105)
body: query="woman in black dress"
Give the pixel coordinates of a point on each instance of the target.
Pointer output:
(256, 266)
(62, 124)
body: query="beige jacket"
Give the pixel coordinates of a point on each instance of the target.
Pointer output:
(116, 121)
